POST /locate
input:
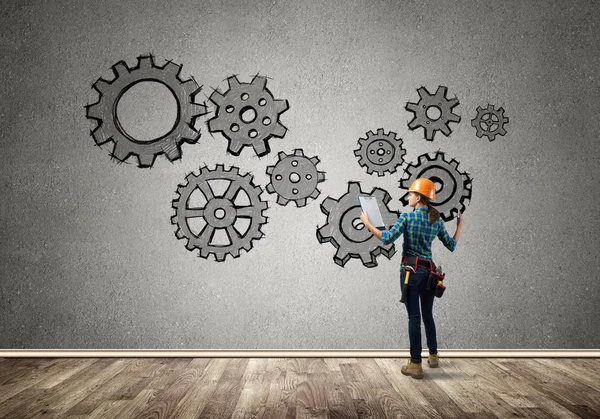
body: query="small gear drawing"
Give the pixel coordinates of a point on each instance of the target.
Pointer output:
(109, 127)
(489, 122)
(433, 112)
(247, 114)
(453, 187)
(380, 152)
(294, 178)
(348, 234)
(220, 212)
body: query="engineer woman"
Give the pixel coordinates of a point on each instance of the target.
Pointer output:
(419, 228)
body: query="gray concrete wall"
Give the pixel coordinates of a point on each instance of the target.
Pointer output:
(88, 254)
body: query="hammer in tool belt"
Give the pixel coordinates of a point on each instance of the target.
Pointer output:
(405, 284)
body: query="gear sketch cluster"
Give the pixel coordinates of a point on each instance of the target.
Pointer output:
(223, 222)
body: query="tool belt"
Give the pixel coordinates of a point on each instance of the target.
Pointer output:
(434, 282)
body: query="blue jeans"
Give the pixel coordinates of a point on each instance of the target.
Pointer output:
(416, 291)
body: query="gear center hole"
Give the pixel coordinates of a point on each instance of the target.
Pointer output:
(294, 177)
(248, 114)
(358, 224)
(220, 213)
(434, 113)
(147, 111)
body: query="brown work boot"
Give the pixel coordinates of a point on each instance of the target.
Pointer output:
(412, 369)
(433, 361)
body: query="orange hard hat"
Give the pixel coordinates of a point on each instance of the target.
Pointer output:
(423, 186)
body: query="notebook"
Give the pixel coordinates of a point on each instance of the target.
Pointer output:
(370, 206)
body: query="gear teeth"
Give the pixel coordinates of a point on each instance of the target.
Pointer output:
(300, 202)
(217, 98)
(120, 153)
(281, 155)
(320, 177)
(260, 148)
(259, 81)
(270, 188)
(281, 105)
(279, 130)
(233, 82)
(354, 188)
(445, 130)
(298, 152)
(380, 131)
(315, 194)
(146, 160)
(413, 107)
(314, 160)
(92, 112)
(422, 91)
(368, 260)
(328, 204)
(235, 147)
(145, 62)
(101, 86)
(441, 92)
(173, 153)
(172, 69)
(413, 124)
(270, 170)
(341, 258)
(120, 69)
(179, 234)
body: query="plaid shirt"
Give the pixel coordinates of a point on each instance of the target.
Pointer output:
(418, 233)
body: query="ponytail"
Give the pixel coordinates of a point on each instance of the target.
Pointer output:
(432, 212)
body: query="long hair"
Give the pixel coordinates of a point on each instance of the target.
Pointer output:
(432, 212)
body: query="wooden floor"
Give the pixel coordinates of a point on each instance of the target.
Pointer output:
(297, 388)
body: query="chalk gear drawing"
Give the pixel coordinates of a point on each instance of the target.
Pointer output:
(453, 187)
(348, 234)
(380, 152)
(294, 178)
(433, 112)
(109, 128)
(489, 122)
(247, 114)
(220, 213)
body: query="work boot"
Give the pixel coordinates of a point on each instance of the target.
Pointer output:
(433, 361)
(412, 369)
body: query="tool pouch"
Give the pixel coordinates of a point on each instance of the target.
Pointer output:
(435, 284)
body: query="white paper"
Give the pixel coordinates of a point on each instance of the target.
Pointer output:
(369, 205)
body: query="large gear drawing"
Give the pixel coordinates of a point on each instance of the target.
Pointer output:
(453, 187)
(248, 114)
(380, 152)
(294, 178)
(348, 234)
(433, 112)
(109, 128)
(220, 212)
(489, 122)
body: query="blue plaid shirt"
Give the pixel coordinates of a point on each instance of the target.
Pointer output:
(418, 233)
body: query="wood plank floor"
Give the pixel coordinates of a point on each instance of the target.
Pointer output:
(297, 388)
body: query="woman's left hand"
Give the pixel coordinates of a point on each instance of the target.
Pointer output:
(364, 217)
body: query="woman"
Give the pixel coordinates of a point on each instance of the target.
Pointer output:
(419, 228)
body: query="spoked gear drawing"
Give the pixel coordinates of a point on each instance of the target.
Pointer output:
(248, 114)
(294, 178)
(380, 152)
(489, 122)
(453, 187)
(109, 127)
(348, 234)
(433, 112)
(220, 213)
